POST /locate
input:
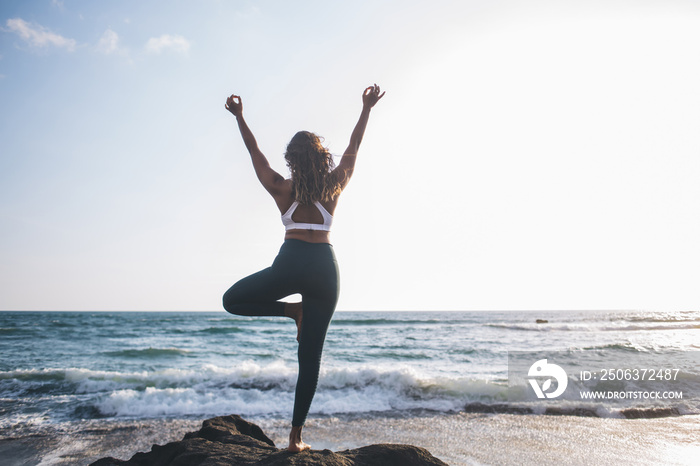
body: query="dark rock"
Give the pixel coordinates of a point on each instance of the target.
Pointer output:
(231, 440)
(541, 321)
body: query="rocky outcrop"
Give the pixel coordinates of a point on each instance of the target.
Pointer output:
(231, 440)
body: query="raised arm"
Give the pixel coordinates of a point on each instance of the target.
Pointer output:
(370, 97)
(270, 179)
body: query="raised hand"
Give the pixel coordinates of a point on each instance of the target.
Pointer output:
(371, 96)
(236, 108)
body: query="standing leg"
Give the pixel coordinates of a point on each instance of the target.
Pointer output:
(317, 317)
(319, 299)
(313, 334)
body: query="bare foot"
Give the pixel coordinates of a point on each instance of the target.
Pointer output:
(295, 443)
(294, 310)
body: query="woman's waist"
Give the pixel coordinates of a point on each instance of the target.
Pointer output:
(309, 236)
(303, 249)
(306, 252)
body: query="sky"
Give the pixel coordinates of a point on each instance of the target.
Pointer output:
(540, 155)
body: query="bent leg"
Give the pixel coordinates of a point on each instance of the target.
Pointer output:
(257, 295)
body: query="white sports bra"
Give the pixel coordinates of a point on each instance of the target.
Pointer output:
(290, 224)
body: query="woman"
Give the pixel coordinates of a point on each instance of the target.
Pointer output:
(306, 262)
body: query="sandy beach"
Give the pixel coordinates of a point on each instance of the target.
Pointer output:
(458, 439)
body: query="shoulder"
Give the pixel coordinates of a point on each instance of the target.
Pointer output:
(283, 196)
(281, 187)
(330, 206)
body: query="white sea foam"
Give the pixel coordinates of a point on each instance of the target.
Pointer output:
(261, 390)
(250, 388)
(157, 402)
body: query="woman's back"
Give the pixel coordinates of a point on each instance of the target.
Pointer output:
(307, 222)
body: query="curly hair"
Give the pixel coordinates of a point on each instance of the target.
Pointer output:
(311, 167)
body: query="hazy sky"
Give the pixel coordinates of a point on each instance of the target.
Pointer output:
(527, 154)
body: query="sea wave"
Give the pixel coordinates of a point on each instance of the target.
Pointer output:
(660, 349)
(340, 391)
(147, 353)
(250, 388)
(662, 317)
(222, 330)
(607, 327)
(628, 347)
(365, 390)
(384, 321)
(81, 380)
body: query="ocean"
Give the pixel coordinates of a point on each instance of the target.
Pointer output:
(73, 379)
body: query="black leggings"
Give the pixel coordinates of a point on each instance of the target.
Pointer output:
(300, 267)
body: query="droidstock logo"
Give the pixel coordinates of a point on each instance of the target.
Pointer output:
(542, 369)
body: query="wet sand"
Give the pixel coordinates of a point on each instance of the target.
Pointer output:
(507, 439)
(458, 439)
